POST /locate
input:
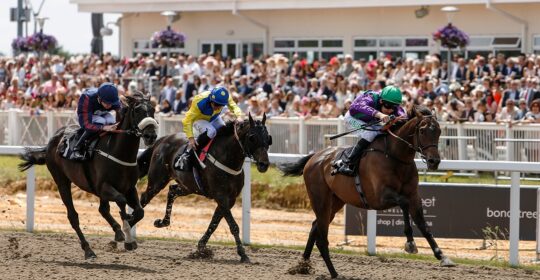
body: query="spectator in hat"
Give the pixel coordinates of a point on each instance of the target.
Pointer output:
(533, 116)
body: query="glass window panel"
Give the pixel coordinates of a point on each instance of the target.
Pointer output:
(537, 41)
(332, 43)
(365, 43)
(416, 55)
(206, 48)
(390, 42)
(416, 42)
(285, 54)
(505, 41)
(308, 43)
(510, 53)
(391, 54)
(257, 50)
(245, 49)
(480, 41)
(365, 55)
(284, 44)
(473, 54)
(231, 50)
(329, 55)
(218, 48)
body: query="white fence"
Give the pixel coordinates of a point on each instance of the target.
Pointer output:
(466, 141)
(514, 167)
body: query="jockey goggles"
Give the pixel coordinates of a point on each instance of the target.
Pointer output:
(389, 105)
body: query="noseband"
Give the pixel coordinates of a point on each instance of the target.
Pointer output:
(419, 147)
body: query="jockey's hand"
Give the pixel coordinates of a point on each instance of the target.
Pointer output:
(110, 127)
(239, 119)
(192, 143)
(383, 117)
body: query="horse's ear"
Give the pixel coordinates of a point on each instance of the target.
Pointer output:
(264, 118)
(417, 112)
(251, 122)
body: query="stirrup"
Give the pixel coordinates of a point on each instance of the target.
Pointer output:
(182, 162)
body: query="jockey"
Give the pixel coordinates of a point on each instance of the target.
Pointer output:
(369, 106)
(204, 116)
(93, 111)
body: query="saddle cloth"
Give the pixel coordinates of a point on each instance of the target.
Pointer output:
(70, 138)
(184, 162)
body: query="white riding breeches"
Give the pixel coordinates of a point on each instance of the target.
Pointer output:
(103, 118)
(353, 123)
(200, 126)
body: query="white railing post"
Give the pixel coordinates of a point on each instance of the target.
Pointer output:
(371, 231)
(509, 144)
(246, 203)
(514, 219)
(161, 127)
(50, 124)
(14, 128)
(30, 198)
(462, 142)
(538, 224)
(302, 135)
(340, 129)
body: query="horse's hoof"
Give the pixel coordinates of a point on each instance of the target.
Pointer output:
(130, 246)
(159, 223)
(119, 236)
(447, 262)
(90, 255)
(334, 275)
(304, 267)
(410, 247)
(202, 253)
(245, 259)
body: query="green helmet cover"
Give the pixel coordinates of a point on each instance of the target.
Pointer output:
(391, 94)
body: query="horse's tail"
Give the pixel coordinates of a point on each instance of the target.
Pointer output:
(295, 168)
(32, 156)
(143, 160)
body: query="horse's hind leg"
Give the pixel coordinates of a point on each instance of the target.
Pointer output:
(64, 187)
(174, 192)
(417, 214)
(410, 246)
(105, 211)
(311, 241)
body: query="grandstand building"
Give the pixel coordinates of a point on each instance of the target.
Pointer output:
(322, 28)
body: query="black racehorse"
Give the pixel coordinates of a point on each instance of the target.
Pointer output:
(222, 179)
(111, 174)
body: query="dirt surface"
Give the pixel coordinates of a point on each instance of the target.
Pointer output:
(55, 256)
(58, 255)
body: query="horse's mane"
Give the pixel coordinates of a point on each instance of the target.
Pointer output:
(423, 110)
(228, 128)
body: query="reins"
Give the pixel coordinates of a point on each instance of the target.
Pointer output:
(418, 148)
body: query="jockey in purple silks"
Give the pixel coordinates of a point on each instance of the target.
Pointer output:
(367, 107)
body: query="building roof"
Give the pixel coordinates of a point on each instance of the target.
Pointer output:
(128, 6)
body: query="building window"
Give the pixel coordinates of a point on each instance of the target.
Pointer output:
(372, 48)
(486, 45)
(309, 48)
(144, 46)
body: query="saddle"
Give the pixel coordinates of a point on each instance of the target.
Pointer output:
(357, 184)
(192, 162)
(70, 138)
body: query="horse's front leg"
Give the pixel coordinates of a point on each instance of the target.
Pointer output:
(410, 245)
(108, 192)
(235, 230)
(174, 192)
(417, 213)
(203, 252)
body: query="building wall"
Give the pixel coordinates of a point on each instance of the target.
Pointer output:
(329, 23)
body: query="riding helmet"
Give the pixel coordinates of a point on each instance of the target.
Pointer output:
(391, 94)
(219, 95)
(109, 94)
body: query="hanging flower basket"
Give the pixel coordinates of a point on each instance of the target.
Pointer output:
(20, 44)
(168, 38)
(40, 42)
(451, 37)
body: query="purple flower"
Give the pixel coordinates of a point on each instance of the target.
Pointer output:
(451, 37)
(35, 42)
(167, 38)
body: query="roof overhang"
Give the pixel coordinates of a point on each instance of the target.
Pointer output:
(141, 6)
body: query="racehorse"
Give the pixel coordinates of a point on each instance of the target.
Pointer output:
(111, 174)
(222, 179)
(388, 177)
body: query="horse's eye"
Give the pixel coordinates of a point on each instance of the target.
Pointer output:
(252, 138)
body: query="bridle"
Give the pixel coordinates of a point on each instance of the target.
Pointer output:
(419, 147)
(136, 129)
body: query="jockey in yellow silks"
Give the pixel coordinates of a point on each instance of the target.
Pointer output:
(204, 116)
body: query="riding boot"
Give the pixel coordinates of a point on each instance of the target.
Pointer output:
(188, 157)
(349, 163)
(80, 146)
(203, 140)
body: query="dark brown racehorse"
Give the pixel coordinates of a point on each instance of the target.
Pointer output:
(222, 180)
(111, 174)
(387, 181)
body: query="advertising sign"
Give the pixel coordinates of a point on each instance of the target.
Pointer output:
(463, 211)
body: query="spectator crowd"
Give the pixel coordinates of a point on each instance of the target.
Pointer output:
(481, 89)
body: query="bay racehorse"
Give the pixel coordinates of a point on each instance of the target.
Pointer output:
(222, 179)
(388, 177)
(111, 174)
